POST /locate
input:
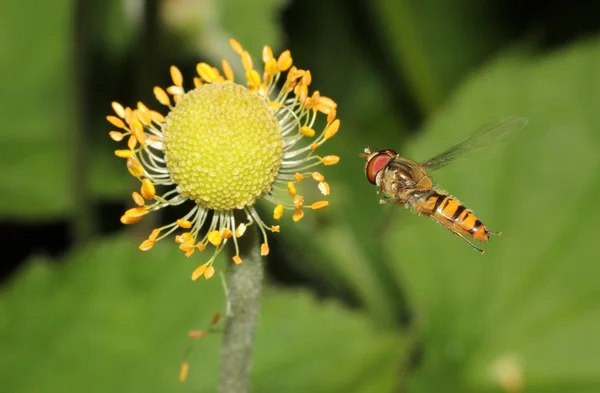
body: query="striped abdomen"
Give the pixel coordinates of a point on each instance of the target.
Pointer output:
(452, 214)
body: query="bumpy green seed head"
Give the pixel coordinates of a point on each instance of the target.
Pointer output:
(223, 146)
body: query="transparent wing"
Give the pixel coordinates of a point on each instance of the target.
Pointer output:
(496, 135)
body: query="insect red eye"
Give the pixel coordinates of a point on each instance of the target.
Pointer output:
(376, 164)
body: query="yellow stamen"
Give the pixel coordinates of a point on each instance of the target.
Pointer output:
(267, 53)
(331, 160)
(176, 76)
(226, 233)
(319, 205)
(291, 188)
(183, 372)
(331, 116)
(185, 237)
(162, 96)
(209, 272)
(284, 62)
(253, 78)
(154, 234)
(132, 142)
(271, 67)
(332, 129)
(199, 271)
(298, 215)
(215, 238)
(146, 245)
(116, 136)
(324, 188)
(118, 108)
(298, 177)
(206, 72)
(237, 260)
(239, 232)
(278, 212)
(127, 220)
(307, 78)
(314, 146)
(185, 224)
(138, 199)
(137, 129)
(135, 168)
(227, 70)
(148, 190)
(264, 249)
(275, 228)
(123, 153)
(325, 105)
(115, 121)
(236, 46)
(175, 90)
(247, 61)
(197, 82)
(274, 105)
(201, 247)
(157, 117)
(307, 131)
(136, 212)
(298, 201)
(318, 176)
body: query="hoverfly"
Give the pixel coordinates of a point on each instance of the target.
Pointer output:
(406, 182)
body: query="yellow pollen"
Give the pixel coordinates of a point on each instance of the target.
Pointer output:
(291, 188)
(241, 229)
(183, 372)
(319, 205)
(278, 212)
(331, 160)
(324, 188)
(307, 131)
(332, 129)
(199, 271)
(236, 46)
(154, 234)
(227, 70)
(176, 76)
(226, 233)
(185, 224)
(298, 215)
(264, 249)
(298, 201)
(146, 245)
(237, 260)
(115, 121)
(116, 136)
(275, 228)
(214, 237)
(200, 246)
(138, 199)
(135, 168)
(148, 190)
(284, 62)
(136, 212)
(118, 108)
(123, 153)
(162, 96)
(298, 177)
(223, 146)
(209, 272)
(318, 176)
(127, 220)
(206, 72)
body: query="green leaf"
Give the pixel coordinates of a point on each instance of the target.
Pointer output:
(111, 318)
(35, 108)
(532, 302)
(434, 45)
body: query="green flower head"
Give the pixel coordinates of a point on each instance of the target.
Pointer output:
(222, 147)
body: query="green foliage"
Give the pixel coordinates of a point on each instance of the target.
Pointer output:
(110, 320)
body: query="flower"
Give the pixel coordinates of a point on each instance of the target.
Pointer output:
(223, 146)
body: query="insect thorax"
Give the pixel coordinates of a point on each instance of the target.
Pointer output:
(403, 179)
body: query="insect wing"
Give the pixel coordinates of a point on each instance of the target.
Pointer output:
(497, 134)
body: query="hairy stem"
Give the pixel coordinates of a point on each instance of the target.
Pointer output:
(244, 284)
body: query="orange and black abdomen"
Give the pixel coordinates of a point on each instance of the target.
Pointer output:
(453, 214)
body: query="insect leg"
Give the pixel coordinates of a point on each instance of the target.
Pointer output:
(465, 239)
(494, 233)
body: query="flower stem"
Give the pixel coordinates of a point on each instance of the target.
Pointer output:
(244, 284)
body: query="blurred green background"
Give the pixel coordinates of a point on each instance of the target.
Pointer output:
(351, 304)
